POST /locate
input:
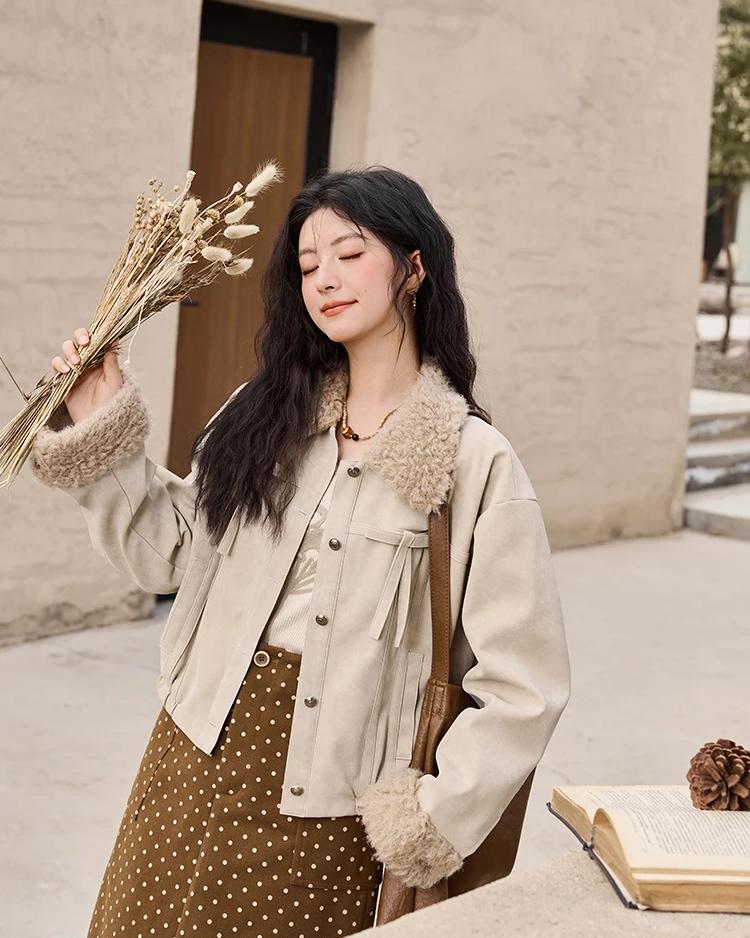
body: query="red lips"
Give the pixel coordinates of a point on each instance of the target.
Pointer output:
(330, 309)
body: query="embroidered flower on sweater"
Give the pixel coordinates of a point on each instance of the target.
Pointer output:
(301, 576)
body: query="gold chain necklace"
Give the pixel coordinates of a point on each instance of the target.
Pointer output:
(347, 431)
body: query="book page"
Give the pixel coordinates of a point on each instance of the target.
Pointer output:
(660, 829)
(591, 797)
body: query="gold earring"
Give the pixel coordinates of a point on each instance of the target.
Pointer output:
(414, 302)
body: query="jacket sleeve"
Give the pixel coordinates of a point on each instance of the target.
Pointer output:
(424, 826)
(140, 515)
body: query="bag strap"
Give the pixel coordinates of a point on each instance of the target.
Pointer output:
(438, 526)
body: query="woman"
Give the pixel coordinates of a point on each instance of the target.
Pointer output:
(276, 783)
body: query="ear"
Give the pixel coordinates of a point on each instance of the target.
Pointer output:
(416, 278)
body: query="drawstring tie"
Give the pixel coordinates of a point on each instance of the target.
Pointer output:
(398, 582)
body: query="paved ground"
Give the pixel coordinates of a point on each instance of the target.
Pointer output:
(658, 635)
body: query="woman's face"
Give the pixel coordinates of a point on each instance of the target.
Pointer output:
(337, 266)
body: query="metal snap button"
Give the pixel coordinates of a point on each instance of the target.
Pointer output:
(296, 789)
(310, 701)
(321, 619)
(261, 658)
(353, 470)
(334, 543)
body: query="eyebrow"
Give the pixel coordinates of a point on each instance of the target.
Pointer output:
(340, 238)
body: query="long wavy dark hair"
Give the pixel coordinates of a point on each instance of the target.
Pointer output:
(268, 421)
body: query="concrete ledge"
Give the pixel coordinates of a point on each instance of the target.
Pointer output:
(43, 604)
(707, 404)
(721, 452)
(569, 897)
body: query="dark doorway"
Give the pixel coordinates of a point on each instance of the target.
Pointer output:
(264, 90)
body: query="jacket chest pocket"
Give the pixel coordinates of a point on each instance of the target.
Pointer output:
(333, 853)
(404, 581)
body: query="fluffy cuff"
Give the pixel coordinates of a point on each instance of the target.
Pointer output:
(403, 835)
(80, 453)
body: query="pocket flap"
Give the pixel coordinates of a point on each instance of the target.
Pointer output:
(334, 853)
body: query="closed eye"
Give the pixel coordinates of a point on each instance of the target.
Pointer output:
(348, 257)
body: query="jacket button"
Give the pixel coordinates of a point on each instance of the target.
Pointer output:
(321, 619)
(334, 543)
(310, 701)
(353, 470)
(296, 789)
(261, 658)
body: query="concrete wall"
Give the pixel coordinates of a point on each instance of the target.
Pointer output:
(567, 155)
(88, 89)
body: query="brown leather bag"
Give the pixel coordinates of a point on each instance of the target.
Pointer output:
(443, 701)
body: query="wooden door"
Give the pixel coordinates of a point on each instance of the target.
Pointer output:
(252, 104)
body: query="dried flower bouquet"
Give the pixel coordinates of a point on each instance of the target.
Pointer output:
(172, 247)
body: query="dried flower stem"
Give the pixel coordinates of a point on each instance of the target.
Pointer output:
(23, 393)
(158, 264)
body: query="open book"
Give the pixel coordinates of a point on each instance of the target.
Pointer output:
(657, 849)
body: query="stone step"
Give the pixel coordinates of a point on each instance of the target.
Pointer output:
(719, 452)
(724, 511)
(700, 478)
(718, 415)
(714, 463)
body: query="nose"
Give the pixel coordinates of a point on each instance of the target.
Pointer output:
(326, 279)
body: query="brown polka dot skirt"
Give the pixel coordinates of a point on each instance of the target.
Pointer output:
(202, 849)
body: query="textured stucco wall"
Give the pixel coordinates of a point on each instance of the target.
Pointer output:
(87, 92)
(568, 155)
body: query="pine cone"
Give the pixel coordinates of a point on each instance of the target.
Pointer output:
(719, 777)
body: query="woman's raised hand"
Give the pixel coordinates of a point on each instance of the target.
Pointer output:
(96, 386)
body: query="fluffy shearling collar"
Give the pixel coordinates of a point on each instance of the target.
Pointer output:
(415, 449)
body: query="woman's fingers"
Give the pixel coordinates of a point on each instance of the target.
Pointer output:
(59, 364)
(70, 348)
(71, 353)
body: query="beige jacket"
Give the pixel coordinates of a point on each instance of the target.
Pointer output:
(366, 657)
